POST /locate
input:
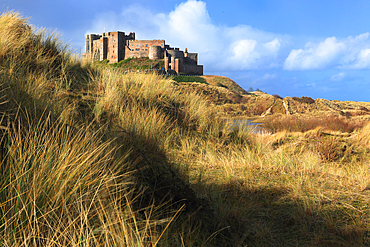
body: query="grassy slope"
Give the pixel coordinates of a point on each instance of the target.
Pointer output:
(224, 82)
(232, 101)
(95, 158)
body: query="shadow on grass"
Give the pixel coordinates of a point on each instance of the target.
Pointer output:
(159, 183)
(236, 214)
(270, 217)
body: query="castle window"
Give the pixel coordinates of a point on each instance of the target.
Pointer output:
(132, 45)
(146, 45)
(137, 45)
(161, 44)
(146, 49)
(137, 49)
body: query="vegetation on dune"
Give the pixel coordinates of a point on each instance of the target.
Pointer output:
(224, 82)
(295, 123)
(91, 156)
(197, 79)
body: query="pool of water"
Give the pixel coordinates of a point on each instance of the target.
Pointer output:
(247, 124)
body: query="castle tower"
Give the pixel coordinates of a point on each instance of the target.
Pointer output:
(116, 46)
(103, 48)
(90, 38)
(177, 65)
(173, 63)
(155, 52)
(166, 61)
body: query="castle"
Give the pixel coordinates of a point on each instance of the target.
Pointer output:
(117, 46)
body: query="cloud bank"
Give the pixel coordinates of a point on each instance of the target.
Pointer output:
(237, 48)
(348, 53)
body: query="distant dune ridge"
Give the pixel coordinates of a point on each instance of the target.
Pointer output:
(235, 101)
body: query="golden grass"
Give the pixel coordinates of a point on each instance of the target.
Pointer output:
(92, 157)
(364, 136)
(64, 183)
(295, 123)
(62, 187)
(267, 193)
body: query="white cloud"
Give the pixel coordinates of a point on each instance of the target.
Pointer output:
(243, 49)
(349, 53)
(190, 26)
(314, 56)
(273, 46)
(362, 60)
(237, 48)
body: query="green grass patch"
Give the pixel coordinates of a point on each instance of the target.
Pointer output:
(198, 79)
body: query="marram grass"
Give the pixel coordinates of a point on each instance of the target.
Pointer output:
(61, 187)
(93, 157)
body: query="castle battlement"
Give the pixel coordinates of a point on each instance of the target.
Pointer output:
(117, 46)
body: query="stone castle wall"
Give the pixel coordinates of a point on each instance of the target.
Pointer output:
(141, 48)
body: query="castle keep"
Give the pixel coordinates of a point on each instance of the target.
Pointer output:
(117, 46)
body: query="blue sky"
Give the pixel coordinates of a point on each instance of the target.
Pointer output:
(299, 48)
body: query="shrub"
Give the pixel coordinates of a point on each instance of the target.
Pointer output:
(242, 107)
(259, 110)
(330, 149)
(302, 124)
(219, 84)
(278, 108)
(304, 99)
(236, 98)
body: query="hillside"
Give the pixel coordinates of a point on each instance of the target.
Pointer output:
(92, 156)
(221, 81)
(232, 101)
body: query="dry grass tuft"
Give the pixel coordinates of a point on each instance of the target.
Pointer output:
(294, 123)
(364, 135)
